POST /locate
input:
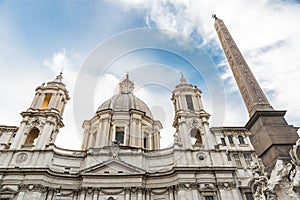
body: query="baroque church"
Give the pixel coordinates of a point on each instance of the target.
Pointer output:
(121, 158)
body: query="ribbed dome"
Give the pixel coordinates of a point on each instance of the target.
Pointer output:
(125, 100)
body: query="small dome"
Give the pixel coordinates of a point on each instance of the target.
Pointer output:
(125, 100)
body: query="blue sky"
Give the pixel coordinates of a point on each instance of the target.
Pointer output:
(39, 38)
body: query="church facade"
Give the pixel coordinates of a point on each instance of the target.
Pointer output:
(121, 158)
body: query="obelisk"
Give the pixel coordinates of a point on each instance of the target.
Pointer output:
(272, 136)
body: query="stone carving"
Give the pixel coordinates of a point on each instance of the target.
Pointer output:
(270, 194)
(193, 123)
(35, 187)
(23, 187)
(285, 177)
(263, 191)
(226, 185)
(39, 188)
(250, 90)
(22, 157)
(115, 148)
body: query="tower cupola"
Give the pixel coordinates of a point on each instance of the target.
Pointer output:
(191, 120)
(43, 119)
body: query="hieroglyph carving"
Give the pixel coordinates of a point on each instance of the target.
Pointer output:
(249, 87)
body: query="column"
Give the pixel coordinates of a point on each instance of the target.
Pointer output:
(34, 101)
(82, 194)
(195, 192)
(90, 140)
(19, 135)
(171, 194)
(106, 133)
(44, 136)
(21, 195)
(40, 100)
(53, 100)
(85, 140)
(140, 193)
(210, 139)
(184, 134)
(98, 135)
(95, 196)
(147, 194)
(57, 100)
(199, 101)
(150, 141)
(127, 193)
(139, 138)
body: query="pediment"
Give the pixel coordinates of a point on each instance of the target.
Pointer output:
(207, 188)
(7, 190)
(113, 167)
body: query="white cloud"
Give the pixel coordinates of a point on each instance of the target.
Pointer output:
(69, 136)
(266, 32)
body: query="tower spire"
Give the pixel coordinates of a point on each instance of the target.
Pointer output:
(251, 92)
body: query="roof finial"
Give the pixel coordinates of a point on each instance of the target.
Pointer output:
(182, 79)
(214, 16)
(126, 86)
(59, 77)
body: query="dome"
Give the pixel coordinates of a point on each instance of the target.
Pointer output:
(125, 100)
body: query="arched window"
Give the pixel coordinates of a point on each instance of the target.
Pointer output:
(241, 139)
(32, 136)
(195, 133)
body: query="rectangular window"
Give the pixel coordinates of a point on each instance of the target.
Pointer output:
(46, 101)
(120, 135)
(209, 198)
(241, 139)
(248, 195)
(237, 160)
(223, 141)
(189, 102)
(230, 139)
(248, 159)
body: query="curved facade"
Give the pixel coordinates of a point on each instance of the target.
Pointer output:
(121, 156)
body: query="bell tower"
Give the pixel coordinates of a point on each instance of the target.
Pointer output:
(191, 120)
(43, 119)
(272, 136)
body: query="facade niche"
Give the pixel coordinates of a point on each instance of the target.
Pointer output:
(32, 136)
